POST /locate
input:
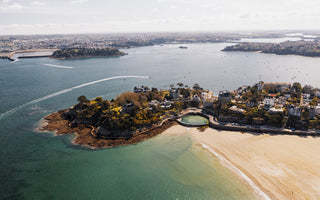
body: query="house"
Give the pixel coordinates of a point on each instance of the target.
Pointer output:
(312, 111)
(154, 103)
(317, 110)
(250, 104)
(275, 110)
(235, 109)
(165, 104)
(174, 93)
(306, 98)
(126, 108)
(281, 87)
(307, 89)
(224, 96)
(268, 103)
(281, 100)
(294, 111)
(260, 86)
(140, 89)
(206, 95)
(207, 103)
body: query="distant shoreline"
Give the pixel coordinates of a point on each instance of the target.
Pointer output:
(84, 57)
(300, 48)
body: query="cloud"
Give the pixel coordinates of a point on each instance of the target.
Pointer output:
(79, 1)
(37, 3)
(11, 7)
(6, 1)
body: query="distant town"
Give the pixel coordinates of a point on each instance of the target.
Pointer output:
(44, 45)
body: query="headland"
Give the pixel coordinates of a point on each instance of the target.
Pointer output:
(302, 48)
(274, 108)
(74, 53)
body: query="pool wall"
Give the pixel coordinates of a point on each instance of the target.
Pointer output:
(192, 125)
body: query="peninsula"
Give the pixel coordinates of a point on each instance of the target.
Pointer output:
(72, 53)
(275, 108)
(302, 48)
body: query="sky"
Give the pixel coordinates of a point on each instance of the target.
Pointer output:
(103, 16)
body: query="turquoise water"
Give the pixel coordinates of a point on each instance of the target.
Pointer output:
(43, 166)
(194, 119)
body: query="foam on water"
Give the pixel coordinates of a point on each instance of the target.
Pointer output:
(9, 112)
(16, 60)
(232, 167)
(59, 66)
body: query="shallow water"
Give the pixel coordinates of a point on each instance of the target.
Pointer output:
(194, 119)
(42, 166)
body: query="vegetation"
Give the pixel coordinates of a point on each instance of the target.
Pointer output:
(303, 48)
(122, 117)
(86, 52)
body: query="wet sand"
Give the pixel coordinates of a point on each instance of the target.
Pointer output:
(278, 166)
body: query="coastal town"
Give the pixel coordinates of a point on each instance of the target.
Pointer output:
(27, 46)
(282, 108)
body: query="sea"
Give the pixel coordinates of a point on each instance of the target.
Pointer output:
(36, 165)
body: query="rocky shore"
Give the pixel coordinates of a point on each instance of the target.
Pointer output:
(57, 122)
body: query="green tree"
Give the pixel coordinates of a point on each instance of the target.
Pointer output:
(82, 99)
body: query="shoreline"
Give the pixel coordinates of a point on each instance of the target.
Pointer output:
(84, 57)
(240, 173)
(272, 166)
(56, 123)
(278, 165)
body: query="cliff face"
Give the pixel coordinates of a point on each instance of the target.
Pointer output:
(86, 52)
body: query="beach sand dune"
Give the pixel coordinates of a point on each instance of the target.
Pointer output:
(282, 166)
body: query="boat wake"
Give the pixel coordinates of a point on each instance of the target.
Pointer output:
(233, 168)
(59, 66)
(9, 112)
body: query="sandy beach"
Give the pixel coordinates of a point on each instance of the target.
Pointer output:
(276, 167)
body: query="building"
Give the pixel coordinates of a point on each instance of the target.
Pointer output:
(294, 111)
(235, 109)
(154, 103)
(260, 86)
(268, 103)
(126, 108)
(317, 110)
(281, 87)
(140, 89)
(165, 104)
(224, 96)
(196, 98)
(174, 93)
(307, 89)
(275, 110)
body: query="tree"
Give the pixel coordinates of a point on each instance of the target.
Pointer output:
(98, 99)
(180, 84)
(82, 99)
(154, 89)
